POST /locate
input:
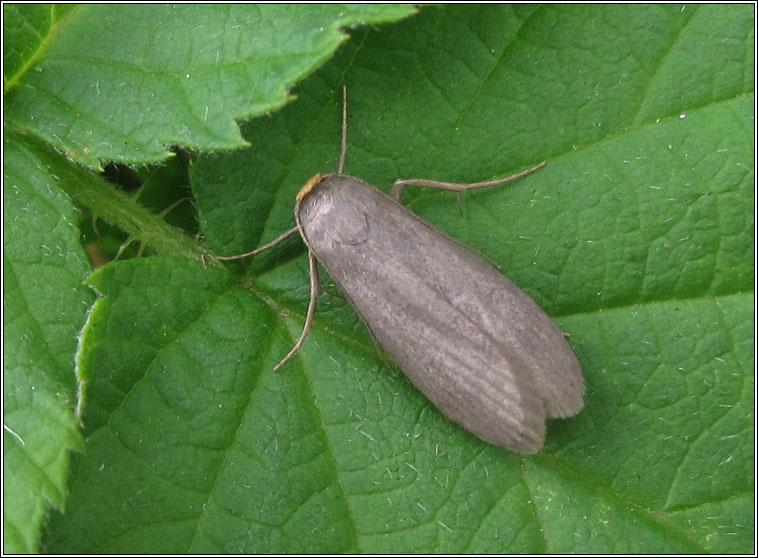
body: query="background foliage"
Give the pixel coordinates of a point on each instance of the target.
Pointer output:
(637, 238)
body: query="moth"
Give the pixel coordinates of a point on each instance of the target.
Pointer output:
(474, 343)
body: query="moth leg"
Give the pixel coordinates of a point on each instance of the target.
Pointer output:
(263, 248)
(311, 309)
(398, 185)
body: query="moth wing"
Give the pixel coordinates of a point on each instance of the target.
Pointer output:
(445, 316)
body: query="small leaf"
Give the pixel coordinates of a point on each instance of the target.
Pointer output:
(120, 82)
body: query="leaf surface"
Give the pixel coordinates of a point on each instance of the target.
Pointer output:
(637, 238)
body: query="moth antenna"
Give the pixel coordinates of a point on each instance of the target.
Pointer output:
(343, 148)
(260, 249)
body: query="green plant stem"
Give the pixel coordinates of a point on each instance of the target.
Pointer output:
(114, 206)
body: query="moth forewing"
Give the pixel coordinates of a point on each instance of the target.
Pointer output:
(466, 336)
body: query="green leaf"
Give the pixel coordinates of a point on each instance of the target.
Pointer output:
(637, 237)
(56, 58)
(44, 307)
(177, 74)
